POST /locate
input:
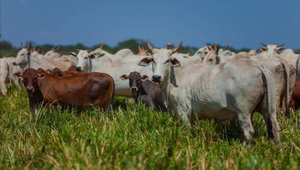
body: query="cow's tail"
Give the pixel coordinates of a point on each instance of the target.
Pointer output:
(271, 120)
(287, 81)
(112, 95)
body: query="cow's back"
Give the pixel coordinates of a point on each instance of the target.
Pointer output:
(90, 88)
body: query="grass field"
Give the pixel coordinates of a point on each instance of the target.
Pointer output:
(132, 137)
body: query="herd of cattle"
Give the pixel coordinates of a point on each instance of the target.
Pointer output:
(211, 84)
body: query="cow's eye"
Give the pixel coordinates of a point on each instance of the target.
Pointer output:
(85, 58)
(210, 59)
(167, 61)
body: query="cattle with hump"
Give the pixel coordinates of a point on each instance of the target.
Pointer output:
(222, 92)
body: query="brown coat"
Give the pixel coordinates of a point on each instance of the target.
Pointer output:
(96, 89)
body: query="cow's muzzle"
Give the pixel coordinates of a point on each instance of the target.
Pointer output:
(30, 89)
(134, 88)
(156, 78)
(78, 68)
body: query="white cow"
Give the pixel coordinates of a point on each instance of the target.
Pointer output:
(4, 72)
(51, 54)
(96, 62)
(287, 54)
(221, 92)
(284, 75)
(7, 71)
(24, 60)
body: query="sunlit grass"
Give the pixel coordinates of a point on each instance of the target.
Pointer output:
(133, 137)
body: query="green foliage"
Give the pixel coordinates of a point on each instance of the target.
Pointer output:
(132, 137)
(8, 50)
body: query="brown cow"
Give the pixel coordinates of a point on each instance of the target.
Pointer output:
(148, 92)
(96, 89)
(35, 96)
(295, 99)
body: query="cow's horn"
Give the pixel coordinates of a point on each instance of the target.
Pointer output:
(30, 44)
(22, 45)
(33, 47)
(89, 50)
(280, 45)
(177, 48)
(57, 48)
(226, 47)
(216, 48)
(150, 48)
(101, 45)
(264, 44)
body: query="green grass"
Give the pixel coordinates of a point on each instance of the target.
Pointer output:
(132, 137)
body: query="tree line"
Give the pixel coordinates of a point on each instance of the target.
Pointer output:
(7, 49)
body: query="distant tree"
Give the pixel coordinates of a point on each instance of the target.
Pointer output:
(5, 45)
(132, 44)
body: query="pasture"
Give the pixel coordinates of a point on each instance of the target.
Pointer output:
(134, 137)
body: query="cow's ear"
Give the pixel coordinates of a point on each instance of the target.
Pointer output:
(279, 49)
(124, 77)
(145, 61)
(99, 54)
(18, 75)
(209, 48)
(91, 56)
(41, 75)
(48, 71)
(73, 54)
(144, 77)
(175, 62)
(263, 50)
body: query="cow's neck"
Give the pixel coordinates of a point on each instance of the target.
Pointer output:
(168, 83)
(46, 85)
(99, 64)
(35, 98)
(33, 62)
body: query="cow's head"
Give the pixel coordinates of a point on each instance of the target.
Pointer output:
(29, 78)
(23, 56)
(253, 52)
(201, 52)
(212, 57)
(83, 59)
(135, 82)
(56, 72)
(161, 59)
(52, 53)
(272, 49)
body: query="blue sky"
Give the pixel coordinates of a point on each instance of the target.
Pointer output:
(195, 22)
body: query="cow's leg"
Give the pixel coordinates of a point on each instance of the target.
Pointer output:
(246, 126)
(3, 89)
(278, 102)
(183, 112)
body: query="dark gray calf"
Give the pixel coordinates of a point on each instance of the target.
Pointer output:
(146, 91)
